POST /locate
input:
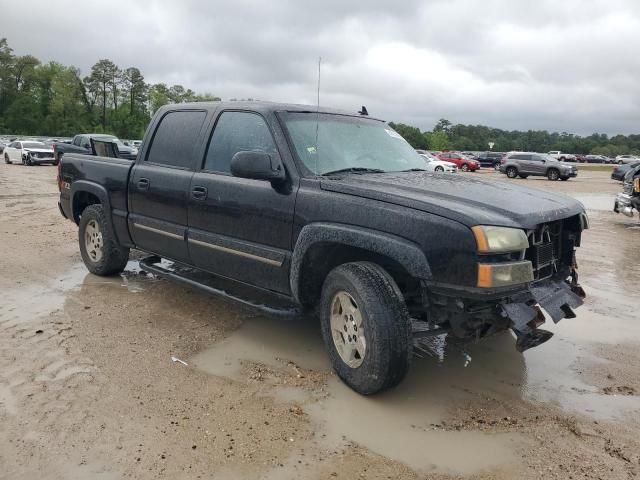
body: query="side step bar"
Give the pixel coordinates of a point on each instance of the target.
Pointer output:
(207, 282)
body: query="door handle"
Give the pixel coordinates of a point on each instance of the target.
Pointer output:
(199, 193)
(143, 184)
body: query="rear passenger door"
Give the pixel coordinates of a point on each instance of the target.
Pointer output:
(159, 184)
(241, 228)
(538, 165)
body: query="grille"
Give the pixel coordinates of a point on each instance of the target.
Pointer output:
(544, 249)
(43, 155)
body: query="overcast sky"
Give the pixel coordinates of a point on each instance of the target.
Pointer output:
(560, 65)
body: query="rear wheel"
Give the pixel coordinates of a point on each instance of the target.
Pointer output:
(496, 166)
(553, 174)
(512, 172)
(100, 251)
(365, 327)
(523, 176)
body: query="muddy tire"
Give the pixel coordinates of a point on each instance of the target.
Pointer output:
(101, 253)
(366, 327)
(553, 174)
(512, 172)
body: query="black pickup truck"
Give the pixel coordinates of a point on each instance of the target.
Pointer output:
(81, 143)
(334, 211)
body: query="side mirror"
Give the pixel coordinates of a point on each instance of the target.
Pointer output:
(257, 166)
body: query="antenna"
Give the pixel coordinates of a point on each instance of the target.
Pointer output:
(318, 114)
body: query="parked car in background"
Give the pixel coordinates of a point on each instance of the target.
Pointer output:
(434, 164)
(596, 159)
(490, 159)
(621, 170)
(563, 157)
(620, 159)
(523, 164)
(580, 158)
(629, 198)
(82, 144)
(28, 153)
(461, 161)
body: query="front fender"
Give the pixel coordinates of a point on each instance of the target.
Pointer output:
(406, 253)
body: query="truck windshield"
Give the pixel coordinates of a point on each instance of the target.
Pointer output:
(327, 143)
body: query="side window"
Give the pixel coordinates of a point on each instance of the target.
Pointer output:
(76, 140)
(175, 138)
(237, 132)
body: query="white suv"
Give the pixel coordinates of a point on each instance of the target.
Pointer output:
(620, 159)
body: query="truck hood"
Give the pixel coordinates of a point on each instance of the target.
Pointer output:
(464, 198)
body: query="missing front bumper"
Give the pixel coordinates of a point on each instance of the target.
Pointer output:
(557, 298)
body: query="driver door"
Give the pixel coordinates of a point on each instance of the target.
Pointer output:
(240, 228)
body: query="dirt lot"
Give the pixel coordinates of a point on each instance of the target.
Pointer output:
(88, 389)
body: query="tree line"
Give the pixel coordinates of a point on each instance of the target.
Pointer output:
(447, 136)
(51, 99)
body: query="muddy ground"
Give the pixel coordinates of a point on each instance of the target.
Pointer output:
(88, 389)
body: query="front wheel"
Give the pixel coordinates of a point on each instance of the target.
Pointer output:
(512, 172)
(439, 169)
(365, 327)
(464, 168)
(553, 174)
(7, 160)
(100, 251)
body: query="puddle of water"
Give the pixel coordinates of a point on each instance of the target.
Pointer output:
(266, 340)
(398, 424)
(29, 302)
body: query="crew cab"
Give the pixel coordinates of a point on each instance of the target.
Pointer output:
(82, 144)
(333, 211)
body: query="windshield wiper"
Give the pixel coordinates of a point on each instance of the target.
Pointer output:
(354, 170)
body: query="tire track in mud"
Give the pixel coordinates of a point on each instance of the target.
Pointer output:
(43, 378)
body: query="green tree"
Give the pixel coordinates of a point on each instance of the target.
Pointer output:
(439, 140)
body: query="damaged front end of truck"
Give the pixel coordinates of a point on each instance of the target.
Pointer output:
(547, 272)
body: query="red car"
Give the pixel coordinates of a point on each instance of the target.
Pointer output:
(462, 162)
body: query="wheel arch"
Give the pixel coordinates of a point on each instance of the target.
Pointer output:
(85, 193)
(320, 247)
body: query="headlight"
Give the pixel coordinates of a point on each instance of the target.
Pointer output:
(499, 239)
(504, 274)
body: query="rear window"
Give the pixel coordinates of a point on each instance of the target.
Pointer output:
(175, 139)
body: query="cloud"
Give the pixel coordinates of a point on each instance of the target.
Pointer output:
(566, 66)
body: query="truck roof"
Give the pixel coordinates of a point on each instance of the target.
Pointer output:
(263, 107)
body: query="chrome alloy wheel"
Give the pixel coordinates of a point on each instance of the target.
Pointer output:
(347, 329)
(93, 241)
